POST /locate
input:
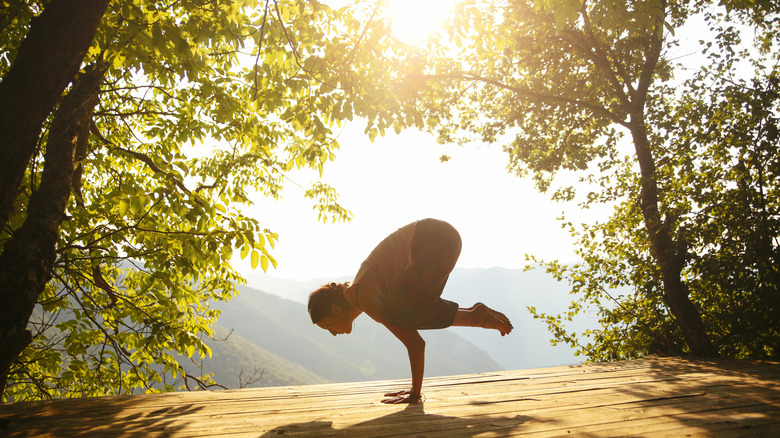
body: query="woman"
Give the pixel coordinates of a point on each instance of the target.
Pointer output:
(399, 285)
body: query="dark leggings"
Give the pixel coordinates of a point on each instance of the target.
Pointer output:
(435, 249)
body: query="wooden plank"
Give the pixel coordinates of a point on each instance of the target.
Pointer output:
(659, 397)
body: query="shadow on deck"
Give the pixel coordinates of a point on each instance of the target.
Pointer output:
(649, 397)
(410, 421)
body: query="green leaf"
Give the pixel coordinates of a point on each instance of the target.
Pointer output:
(123, 206)
(255, 258)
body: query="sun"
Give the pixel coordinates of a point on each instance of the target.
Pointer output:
(415, 20)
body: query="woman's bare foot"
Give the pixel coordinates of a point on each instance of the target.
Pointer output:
(480, 315)
(492, 318)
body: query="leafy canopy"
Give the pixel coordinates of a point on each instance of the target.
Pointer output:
(597, 91)
(203, 105)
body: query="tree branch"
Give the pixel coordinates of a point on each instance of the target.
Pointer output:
(144, 159)
(260, 46)
(601, 58)
(532, 95)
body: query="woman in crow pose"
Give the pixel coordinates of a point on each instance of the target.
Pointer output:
(399, 286)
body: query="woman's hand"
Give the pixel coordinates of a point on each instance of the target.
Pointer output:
(401, 397)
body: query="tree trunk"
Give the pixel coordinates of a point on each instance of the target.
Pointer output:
(46, 62)
(669, 255)
(27, 259)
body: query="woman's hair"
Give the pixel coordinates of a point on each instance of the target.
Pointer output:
(323, 298)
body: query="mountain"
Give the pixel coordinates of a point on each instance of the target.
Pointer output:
(269, 328)
(507, 290)
(235, 360)
(511, 291)
(271, 333)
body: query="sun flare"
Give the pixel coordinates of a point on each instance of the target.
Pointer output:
(415, 20)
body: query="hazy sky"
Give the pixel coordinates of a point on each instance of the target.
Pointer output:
(399, 179)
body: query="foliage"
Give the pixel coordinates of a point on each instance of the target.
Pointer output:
(686, 155)
(203, 105)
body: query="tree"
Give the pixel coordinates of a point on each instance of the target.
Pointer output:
(688, 261)
(49, 56)
(129, 207)
(45, 63)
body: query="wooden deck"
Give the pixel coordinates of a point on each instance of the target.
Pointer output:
(650, 397)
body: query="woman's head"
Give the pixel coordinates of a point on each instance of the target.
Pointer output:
(330, 310)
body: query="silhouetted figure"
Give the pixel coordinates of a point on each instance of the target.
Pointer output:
(399, 286)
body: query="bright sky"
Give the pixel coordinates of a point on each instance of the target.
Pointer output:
(414, 20)
(399, 179)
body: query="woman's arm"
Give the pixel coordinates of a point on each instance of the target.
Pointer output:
(374, 307)
(415, 346)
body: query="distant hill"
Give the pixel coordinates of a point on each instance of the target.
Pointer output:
(235, 359)
(507, 290)
(282, 328)
(272, 333)
(512, 291)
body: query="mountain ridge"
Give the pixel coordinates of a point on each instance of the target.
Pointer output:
(272, 331)
(269, 331)
(510, 291)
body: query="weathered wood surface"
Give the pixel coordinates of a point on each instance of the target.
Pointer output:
(649, 397)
